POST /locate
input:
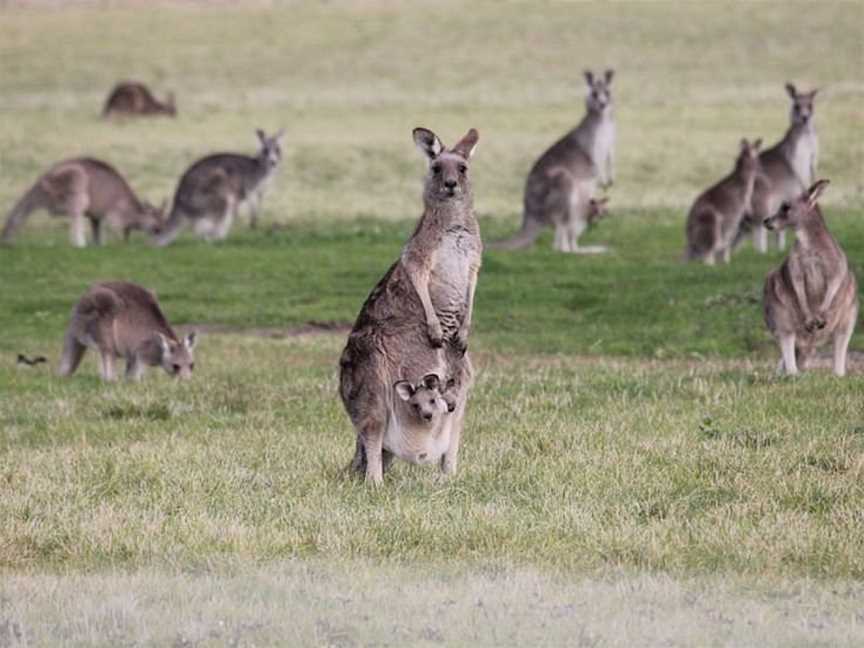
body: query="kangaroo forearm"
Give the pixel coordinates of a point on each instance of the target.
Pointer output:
(420, 281)
(830, 294)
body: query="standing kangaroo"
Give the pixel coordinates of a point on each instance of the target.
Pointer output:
(211, 190)
(813, 296)
(416, 321)
(123, 320)
(563, 181)
(134, 98)
(787, 168)
(85, 187)
(715, 218)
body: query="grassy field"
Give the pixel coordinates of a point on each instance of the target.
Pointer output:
(632, 471)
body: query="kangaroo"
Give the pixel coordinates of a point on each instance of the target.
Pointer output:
(134, 98)
(813, 296)
(787, 168)
(85, 187)
(211, 190)
(562, 182)
(417, 319)
(123, 320)
(567, 233)
(715, 217)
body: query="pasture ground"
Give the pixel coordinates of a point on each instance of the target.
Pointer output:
(632, 469)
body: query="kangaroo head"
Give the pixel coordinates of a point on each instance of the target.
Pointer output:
(448, 178)
(271, 152)
(801, 112)
(176, 357)
(597, 209)
(599, 93)
(748, 157)
(426, 399)
(151, 218)
(795, 212)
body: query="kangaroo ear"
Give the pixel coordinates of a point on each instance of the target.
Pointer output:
(610, 74)
(465, 147)
(262, 136)
(428, 142)
(190, 341)
(589, 77)
(812, 93)
(431, 381)
(164, 344)
(757, 144)
(404, 389)
(278, 135)
(815, 191)
(790, 89)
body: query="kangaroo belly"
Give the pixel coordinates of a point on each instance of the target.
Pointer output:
(450, 279)
(417, 444)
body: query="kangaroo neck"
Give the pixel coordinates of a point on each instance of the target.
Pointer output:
(813, 233)
(589, 128)
(797, 132)
(441, 215)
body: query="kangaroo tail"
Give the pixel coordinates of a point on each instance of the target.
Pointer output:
(19, 213)
(523, 238)
(171, 228)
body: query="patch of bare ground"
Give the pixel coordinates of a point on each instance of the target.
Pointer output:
(269, 332)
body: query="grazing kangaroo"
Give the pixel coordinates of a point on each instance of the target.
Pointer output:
(787, 168)
(715, 218)
(213, 188)
(85, 188)
(416, 321)
(134, 98)
(562, 182)
(813, 296)
(123, 320)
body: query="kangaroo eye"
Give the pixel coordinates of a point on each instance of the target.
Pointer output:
(436, 169)
(463, 169)
(784, 207)
(176, 368)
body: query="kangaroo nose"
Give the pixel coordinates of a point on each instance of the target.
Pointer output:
(427, 416)
(450, 183)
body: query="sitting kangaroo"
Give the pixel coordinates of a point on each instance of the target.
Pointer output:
(715, 217)
(417, 319)
(212, 190)
(134, 98)
(786, 169)
(85, 187)
(813, 296)
(123, 320)
(562, 182)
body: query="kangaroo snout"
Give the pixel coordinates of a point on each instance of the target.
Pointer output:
(768, 223)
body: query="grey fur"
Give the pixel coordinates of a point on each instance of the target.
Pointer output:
(85, 188)
(416, 322)
(212, 190)
(123, 320)
(813, 297)
(134, 98)
(563, 181)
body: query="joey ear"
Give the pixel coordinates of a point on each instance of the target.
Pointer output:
(451, 383)
(610, 74)
(790, 90)
(404, 389)
(589, 77)
(431, 381)
(428, 142)
(816, 190)
(164, 344)
(466, 146)
(190, 341)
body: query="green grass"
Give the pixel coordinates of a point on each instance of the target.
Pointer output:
(626, 426)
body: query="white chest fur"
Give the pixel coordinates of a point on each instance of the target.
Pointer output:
(803, 154)
(415, 443)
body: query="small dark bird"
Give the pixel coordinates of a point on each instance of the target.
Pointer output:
(23, 359)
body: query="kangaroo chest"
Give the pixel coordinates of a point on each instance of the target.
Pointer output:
(417, 444)
(801, 155)
(604, 140)
(453, 269)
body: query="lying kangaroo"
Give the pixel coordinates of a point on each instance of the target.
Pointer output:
(134, 98)
(715, 217)
(787, 168)
(123, 320)
(417, 319)
(813, 296)
(85, 187)
(213, 188)
(562, 182)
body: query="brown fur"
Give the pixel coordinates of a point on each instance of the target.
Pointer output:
(715, 217)
(813, 297)
(564, 179)
(134, 98)
(123, 320)
(85, 188)
(417, 318)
